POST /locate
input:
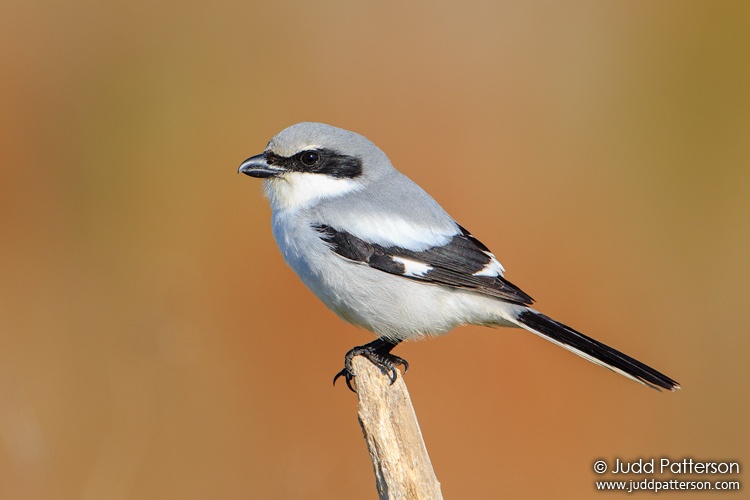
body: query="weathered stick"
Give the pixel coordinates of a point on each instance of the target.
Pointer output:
(402, 467)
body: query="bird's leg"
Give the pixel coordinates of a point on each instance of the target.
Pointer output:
(379, 353)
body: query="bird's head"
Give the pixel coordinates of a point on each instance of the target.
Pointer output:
(308, 162)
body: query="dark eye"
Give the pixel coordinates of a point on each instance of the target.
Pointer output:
(309, 158)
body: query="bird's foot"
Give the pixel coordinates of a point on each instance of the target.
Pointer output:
(379, 354)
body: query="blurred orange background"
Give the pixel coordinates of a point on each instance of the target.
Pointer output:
(155, 345)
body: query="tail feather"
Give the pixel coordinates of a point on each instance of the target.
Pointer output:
(593, 350)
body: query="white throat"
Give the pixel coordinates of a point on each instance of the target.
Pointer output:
(294, 190)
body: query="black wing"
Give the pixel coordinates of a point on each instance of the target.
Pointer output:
(461, 263)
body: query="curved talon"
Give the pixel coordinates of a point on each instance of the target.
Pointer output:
(347, 378)
(397, 360)
(394, 375)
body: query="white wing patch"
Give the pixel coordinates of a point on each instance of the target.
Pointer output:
(492, 269)
(412, 267)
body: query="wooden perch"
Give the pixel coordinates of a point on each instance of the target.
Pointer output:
(402, 467)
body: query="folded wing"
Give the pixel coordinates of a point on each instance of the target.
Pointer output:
(464, 262)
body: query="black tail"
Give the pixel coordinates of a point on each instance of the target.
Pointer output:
(593, 350)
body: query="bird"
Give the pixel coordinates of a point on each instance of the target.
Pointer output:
(383, 255)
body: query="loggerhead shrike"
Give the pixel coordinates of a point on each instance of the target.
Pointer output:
(383, 255)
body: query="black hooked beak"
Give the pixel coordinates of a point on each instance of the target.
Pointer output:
(257, 166)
